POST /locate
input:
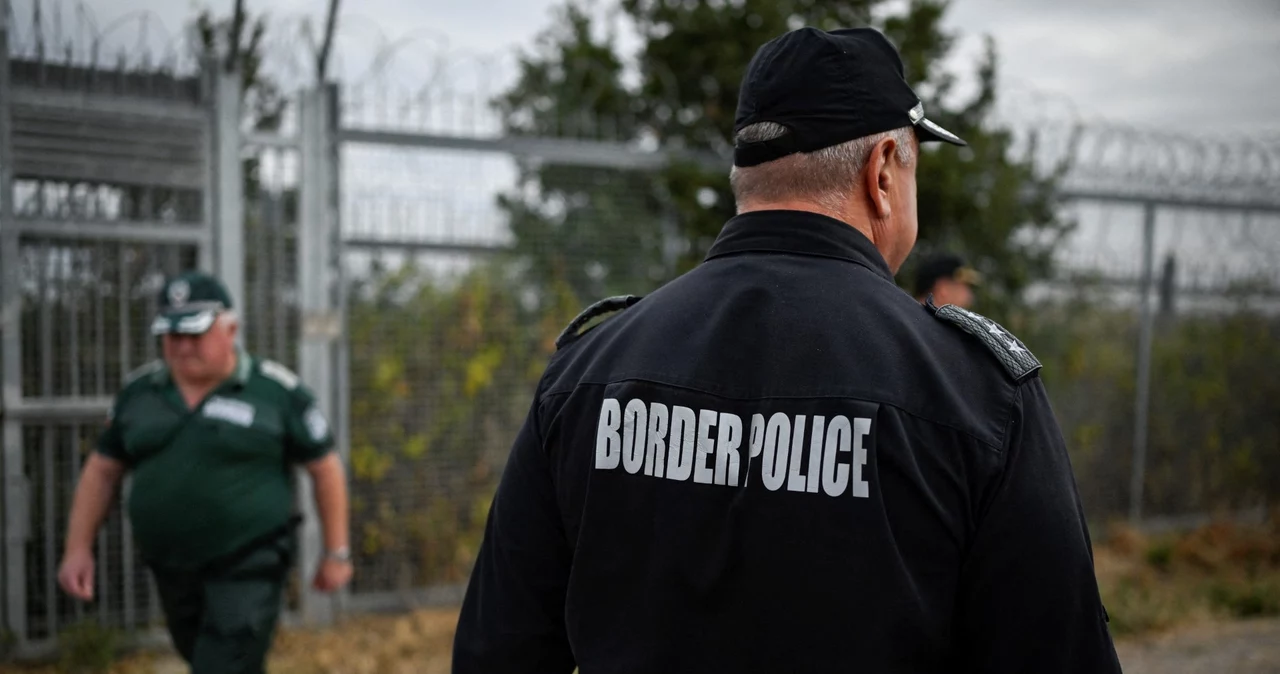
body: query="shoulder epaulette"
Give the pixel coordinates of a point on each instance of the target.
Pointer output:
(278, 373)
(1017, 360)
(140, 372)
(604, 306)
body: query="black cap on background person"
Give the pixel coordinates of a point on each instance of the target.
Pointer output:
(948, 279)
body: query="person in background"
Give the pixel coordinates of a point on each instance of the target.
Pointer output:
(948, 279)
(210, 435)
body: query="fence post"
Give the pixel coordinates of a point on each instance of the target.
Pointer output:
(1142, 402)
(318, 295)
(228, 207)
(16, 519)
(1168, 289)
(342, 356)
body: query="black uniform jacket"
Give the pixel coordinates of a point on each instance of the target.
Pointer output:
(781, 462)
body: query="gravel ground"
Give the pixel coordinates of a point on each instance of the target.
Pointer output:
(1249, 647)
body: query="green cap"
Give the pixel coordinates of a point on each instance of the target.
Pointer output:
(190, 303)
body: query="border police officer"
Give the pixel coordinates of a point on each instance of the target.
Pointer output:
(209, 436)
(946, 279)
(780, 462)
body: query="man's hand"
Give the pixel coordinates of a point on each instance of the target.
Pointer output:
(332, 575)
(76, 574)
(98, 483)
(330, 482)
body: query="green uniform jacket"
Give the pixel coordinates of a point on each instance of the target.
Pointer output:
(208, 480)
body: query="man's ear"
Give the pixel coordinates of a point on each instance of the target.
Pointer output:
(878, 177)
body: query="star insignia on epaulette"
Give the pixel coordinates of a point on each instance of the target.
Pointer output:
(604, 306)
(1017, 360)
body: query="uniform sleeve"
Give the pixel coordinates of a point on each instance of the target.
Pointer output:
(111, 442)
(1028, 598)
(513, 617)
(307, 432)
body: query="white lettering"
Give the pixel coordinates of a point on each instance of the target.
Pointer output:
(795, 480)
(777, 437)
(608, 443)
(815, 454)
(835, 477)
(755, 443)
(317, 426)
(861, 429)
(237, 412)
(634, 421)
(706, 446)
(655, 457)
(680, 459)
(727, 459)
(702, 472)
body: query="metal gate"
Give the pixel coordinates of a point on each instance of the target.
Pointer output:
(105, 188)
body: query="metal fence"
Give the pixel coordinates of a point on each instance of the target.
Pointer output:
(414, 265)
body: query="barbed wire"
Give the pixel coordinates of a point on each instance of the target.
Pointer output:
(71, 34)
(418, 81)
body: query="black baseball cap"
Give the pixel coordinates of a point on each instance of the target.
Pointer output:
(944, 265)
(190, 303)
(828, 88)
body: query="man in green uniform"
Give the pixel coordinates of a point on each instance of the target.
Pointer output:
(210, 435)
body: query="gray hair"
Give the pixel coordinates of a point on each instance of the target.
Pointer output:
(826, 177)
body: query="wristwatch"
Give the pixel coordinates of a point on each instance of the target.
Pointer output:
(342, 554)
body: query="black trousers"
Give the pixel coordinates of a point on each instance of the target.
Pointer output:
(222, 620)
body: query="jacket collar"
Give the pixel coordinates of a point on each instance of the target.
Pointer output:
(801, 233)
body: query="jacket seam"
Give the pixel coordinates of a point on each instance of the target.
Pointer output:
(998, 448)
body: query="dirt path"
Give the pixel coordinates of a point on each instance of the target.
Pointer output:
(420, 644)
(1250, 647)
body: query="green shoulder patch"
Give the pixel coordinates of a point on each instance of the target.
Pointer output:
(140, 372)
(1017, 360)
(605, 306)
(278, 373)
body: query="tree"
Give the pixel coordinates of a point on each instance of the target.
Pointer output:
(593, 231)
(978, 200)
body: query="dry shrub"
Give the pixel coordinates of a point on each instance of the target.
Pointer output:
(390, 644)
(1124, 540)
(1221, 570)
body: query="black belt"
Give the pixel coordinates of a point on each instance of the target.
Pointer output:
(220, 564)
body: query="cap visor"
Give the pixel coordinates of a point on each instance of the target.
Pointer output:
(184, 322)
(929, 132)
(968, 275)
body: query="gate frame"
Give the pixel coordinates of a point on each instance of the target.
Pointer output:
(215, 251)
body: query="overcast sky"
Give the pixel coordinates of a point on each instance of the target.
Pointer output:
(1187, 65)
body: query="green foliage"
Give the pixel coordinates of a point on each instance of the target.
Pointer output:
(689, 67)
(1246, 599)
(443, 371)
(1221, 570)
(1160, 555)
(1214, 431)
(87, 647)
